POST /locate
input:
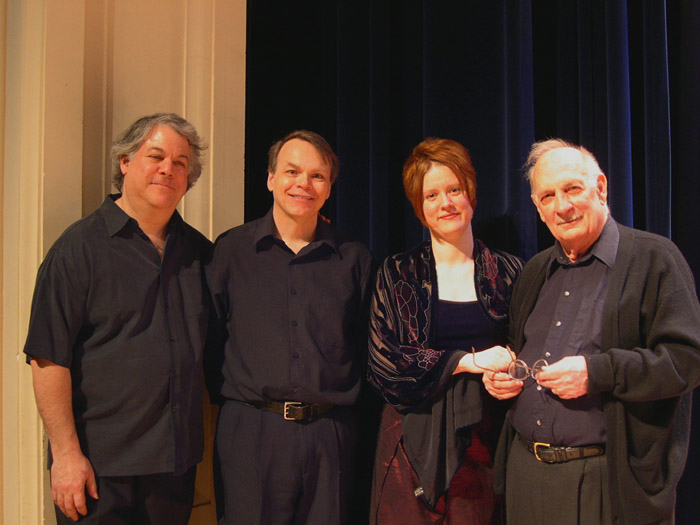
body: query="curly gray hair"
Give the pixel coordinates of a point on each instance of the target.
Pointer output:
(135, 135)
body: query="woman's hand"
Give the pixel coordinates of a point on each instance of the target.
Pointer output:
(494, 359)
(493, 364)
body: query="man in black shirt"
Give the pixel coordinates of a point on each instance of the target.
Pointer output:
(600, 434)
(293, 294)
(116, 335)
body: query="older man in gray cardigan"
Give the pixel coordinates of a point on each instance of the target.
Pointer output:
(599, 434)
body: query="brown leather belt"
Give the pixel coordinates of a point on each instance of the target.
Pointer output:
(293, 410)
(554, 454)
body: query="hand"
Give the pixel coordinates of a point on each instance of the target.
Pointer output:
(70, 475)
(500, 385)
(496, 358)
(567, 378)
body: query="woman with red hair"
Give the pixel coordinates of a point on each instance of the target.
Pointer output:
(439, 318)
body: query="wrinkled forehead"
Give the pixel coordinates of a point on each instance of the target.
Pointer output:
(558, 165)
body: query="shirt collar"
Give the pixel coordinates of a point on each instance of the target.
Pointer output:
(266, 231)
(116, 219)
(604, 248)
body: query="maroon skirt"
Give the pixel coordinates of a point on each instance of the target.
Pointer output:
(469, 500)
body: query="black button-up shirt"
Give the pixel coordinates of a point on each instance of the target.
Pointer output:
(566, 321)
(131, 328)
(295, 324)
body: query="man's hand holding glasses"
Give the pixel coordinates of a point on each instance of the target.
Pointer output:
(567, 378)
(507, 381)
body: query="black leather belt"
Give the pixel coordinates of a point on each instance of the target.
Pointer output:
(554, 454)
(293, 410)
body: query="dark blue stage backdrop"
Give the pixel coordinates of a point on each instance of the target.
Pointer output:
(375, 78)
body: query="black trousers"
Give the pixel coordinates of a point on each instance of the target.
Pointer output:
(281, 472)
(572, 493)
(154, 499)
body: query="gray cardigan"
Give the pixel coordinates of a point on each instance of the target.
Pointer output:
(647, 368)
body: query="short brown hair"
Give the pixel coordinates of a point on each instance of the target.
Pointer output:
(447, 152)
(317, 141)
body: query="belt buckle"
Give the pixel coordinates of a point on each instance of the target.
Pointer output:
(537, 444)
(287, 406)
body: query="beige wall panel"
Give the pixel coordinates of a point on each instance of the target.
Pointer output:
(3, 49)
(21, 253)
(198, 43)
(63, 117)
(97, 108)
(228, 127)
(149, 59)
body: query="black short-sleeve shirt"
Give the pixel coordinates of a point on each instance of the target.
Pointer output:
(131, 327)
(295, 324)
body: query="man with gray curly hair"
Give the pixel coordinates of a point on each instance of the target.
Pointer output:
(116, 336)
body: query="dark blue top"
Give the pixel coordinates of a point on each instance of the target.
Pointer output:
(461, 325)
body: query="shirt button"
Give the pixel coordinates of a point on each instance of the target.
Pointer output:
(171, 338)
(295, 355)
(293, 291)
(174, 409)
(295, 390)
(547, 354)
(294, 323)
(539, 387)
(558, 323)
(566, 293)
(539, 422)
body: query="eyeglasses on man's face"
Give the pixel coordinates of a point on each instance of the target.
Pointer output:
(517, 369)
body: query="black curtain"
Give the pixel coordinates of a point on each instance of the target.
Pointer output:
(375, 78)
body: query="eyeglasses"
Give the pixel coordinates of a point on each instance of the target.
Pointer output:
(518, 369)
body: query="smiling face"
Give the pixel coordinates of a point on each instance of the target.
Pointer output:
(446, 208)
(571, 200)
(155, 177)
(301, 183)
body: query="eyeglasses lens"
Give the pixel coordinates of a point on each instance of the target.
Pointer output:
(537, 367)
(518, 370)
